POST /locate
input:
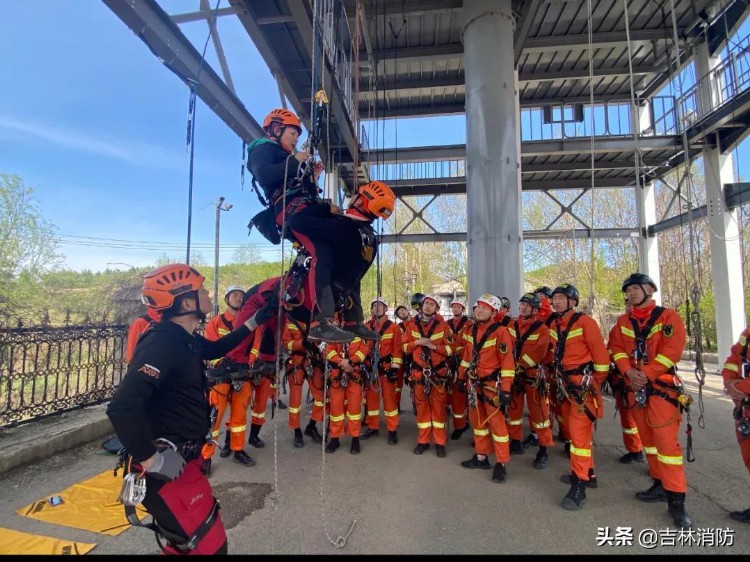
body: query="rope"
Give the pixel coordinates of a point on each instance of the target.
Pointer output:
(592, 298)
(700, 371)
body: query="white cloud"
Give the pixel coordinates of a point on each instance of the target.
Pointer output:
(136, 153)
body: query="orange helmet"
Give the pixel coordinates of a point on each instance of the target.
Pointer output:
(380, 199)
(284, 117)
(162, 285)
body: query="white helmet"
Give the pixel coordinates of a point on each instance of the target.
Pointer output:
(232, 289)
(458, 303)
(433, 298)
(381, 300)
(490, 300)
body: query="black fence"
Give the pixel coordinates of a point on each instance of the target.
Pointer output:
(46, 370)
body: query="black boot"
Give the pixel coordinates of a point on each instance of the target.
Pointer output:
(440, 451)
(457, 433)
(254, 440)
(243, 458)
(225, 450)
(498, 473)
(628, 458)
(516, 448)
(592, 482)
(540, 462)
(474, 462)
(654, 494)
(576, 496)
(206, 467)
(370, 433)
(312, 432)
(361, 331)
(676, 503)
(280, 404)
(298, 441)
(421, 448)
(327, 331)
(741, 516)
(530, 441)
(392, 438)
(354, 449)
(566, 450)
(333, 445)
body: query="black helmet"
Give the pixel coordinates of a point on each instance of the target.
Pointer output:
(569, 291)
(638, 279)
(504, 302)
(532, 299)
(546, 291)
(416, 300)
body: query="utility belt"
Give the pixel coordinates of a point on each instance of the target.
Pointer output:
(344, 378)
(190, 450)
(227, 371)
(680, 400)
(256, 379)
(741, 416)
(524, 377)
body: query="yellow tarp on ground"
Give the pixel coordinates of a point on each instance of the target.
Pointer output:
(16, 542)
(90, 505)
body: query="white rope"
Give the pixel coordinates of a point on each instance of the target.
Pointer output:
(593, 157)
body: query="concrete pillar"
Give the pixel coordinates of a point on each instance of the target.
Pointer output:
(648, 246)
(726, 256)
(492, 151)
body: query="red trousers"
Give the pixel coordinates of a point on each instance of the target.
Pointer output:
(221, 395)
(658, 425)
(581, 429)
(490, 429)
(261, 393)
(390, 404)
(431, 410)
(539, 417)
(457, 400)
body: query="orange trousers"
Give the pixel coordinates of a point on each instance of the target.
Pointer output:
(658, 425)
(431, 410)
(390, 404)
(318, 394)
(581, 430)
(490, 429)
(222, 394)
(538, 415)
(457, 401)
(630, 437)
(296, 380)
(346, 403)
(556, 412)
(261, 393)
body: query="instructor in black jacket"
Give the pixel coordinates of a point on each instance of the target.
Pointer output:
(161, 411)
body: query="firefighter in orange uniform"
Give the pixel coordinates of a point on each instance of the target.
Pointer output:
(646, 344)
(386, 361)
(235, 392)
(459, 325)
(487, 370)
(545, 307)
(345, 390)
(580, 364)
(262, 384)
(736, 374)
(428, 343)
(630, 437)
(530, 347)
(303, 356)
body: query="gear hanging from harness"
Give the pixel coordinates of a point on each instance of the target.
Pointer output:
(522, 378)
(475, 385)
(659, 388)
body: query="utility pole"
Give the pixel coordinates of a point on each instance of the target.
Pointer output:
(219, 208)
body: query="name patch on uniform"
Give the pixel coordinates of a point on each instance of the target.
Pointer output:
(503, 347)
(668, 330)
(150, 370)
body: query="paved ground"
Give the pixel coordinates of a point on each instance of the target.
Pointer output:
(403, 503)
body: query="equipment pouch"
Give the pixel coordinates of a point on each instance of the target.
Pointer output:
(265, 222)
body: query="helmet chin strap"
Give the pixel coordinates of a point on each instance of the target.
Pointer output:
(644, 299)
(197, 312)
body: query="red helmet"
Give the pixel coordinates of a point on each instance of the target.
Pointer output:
(380, 199)
(162, 285)
(283, 117)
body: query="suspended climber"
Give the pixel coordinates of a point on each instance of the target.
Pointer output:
(295, 211)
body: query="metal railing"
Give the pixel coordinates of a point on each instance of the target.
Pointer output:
(44, 371)
(337, 50)
(455, 168)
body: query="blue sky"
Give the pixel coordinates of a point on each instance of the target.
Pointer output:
(97, 125)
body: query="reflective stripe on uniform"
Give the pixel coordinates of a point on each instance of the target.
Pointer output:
(618, 356)
(664, 360)
(500, 438)
(360, 356)
(542, 425)
(579, 452)
(508, 373)
(481, 432)
(519, 421)
(675, 461)
(465, 364)
(630, 430)
(390, 413)
(318, 403)
(731, 367)
(529, 361)
(293, 410)
(459, 416)
(373, 412)
(439, 425)
(575, 333)
(424, 425)
(386, 337)
(337, 418)
(259, 415)
(599, 368)
(354, 416)
(650, 450)
(489, 343)
(627, 331)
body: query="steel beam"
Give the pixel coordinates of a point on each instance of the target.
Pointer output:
(532, 148)
(161, 35)
(405, 9)
(599, 40)
(204, 14)
(579, 233)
